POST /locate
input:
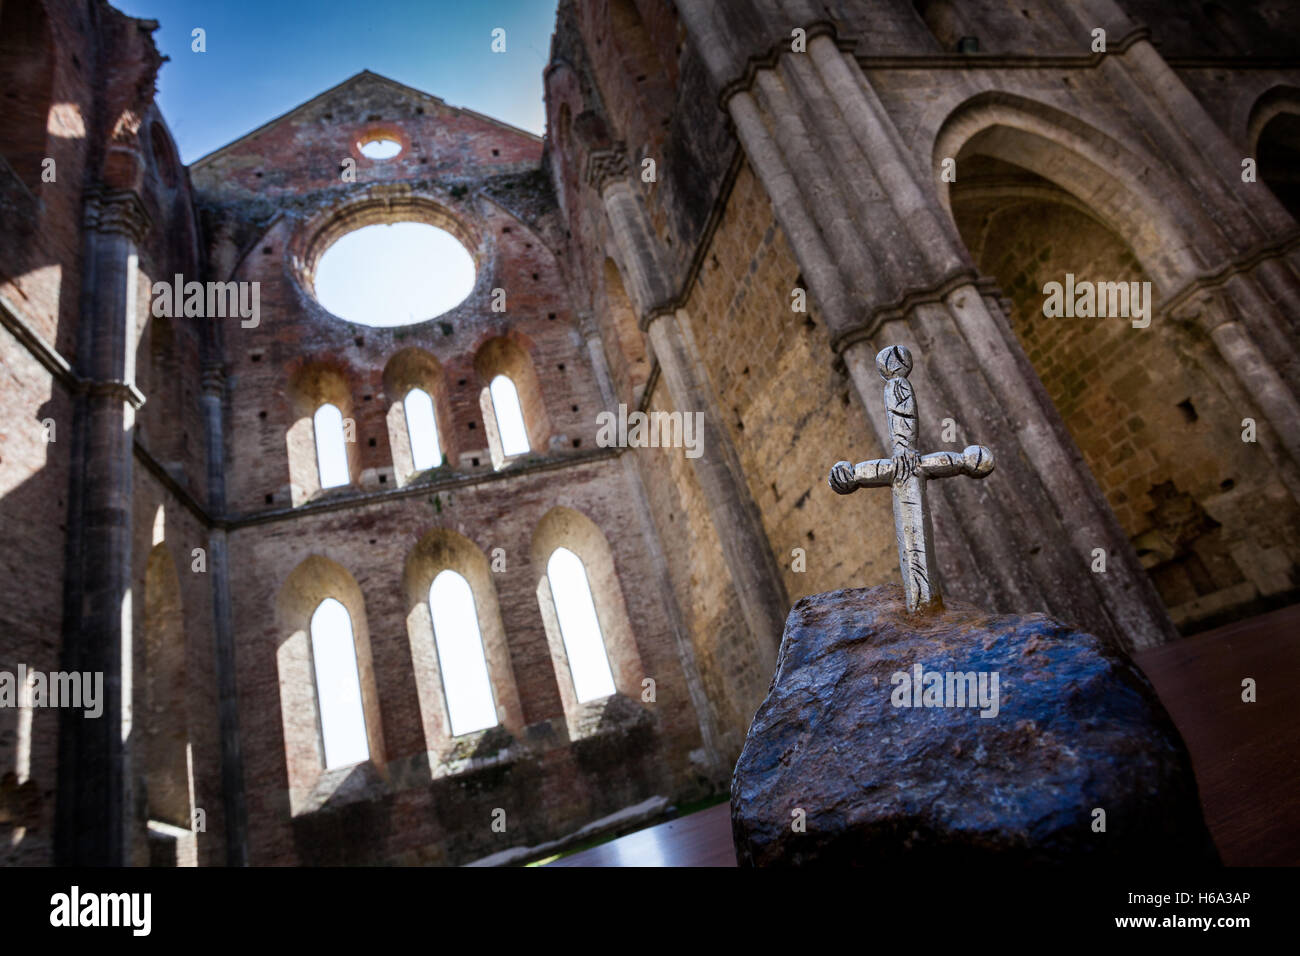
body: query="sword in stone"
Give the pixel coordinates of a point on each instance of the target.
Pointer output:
(907, 473)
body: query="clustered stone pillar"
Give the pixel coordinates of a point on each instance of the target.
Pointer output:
(659, 561)
(838, 173)
(735, 516)
(95, 785)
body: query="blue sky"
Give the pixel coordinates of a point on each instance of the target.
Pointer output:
(264, 57)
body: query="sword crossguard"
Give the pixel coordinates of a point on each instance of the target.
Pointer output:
(908, 471)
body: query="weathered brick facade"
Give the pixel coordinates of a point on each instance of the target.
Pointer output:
(479, 180)
(734, 206)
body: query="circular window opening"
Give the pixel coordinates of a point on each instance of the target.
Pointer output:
(379, 147)
(394, 274)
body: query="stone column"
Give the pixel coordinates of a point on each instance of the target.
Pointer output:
(736, 519)
(1248, 379)
(223, 260)
(590, 333)
(1260, 380)
(95, 781)
(659, 562)
(232, 765)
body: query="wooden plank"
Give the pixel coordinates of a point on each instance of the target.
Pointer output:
(1246, 756)
(700, 839)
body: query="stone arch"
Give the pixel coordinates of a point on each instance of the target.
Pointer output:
(410, 368)
(309, 584)
(164, 724)
(566, 161)
(509, 356)
(1164, 446)
(159, 374)
(567, 528)
(162, 153)
(1130, 193)
(310, 386)
(27, 77)
(438, 550)
(1273, 134)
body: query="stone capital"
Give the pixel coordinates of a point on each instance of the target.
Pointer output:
(874, 319)
(587, 326)
(744, 74)
(1206, 308)
(656, 312)
(213, 378)
(1201, 299)
(118, 211)
(115, 388)
(607, 165)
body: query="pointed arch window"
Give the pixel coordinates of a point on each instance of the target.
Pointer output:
(509, 415)
(331, 449)
(338, 686)
(584, 644)
(422, 428)
(467, 688)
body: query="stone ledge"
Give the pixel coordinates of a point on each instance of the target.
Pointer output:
(629, 818)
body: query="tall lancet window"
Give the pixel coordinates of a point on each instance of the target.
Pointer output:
(583, 642)
(338, 686)
(422, 427)
(510, 417)
(465, 683)
(331, 449)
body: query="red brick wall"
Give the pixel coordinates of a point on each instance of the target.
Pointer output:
(33, 512)
(549, 785)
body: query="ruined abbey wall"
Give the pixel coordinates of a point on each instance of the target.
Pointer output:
(733, 208)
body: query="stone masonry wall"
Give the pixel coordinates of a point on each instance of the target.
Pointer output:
(1161, 435)
(790, 414)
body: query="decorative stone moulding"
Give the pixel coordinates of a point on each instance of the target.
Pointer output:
(607, 165)
(379, 204)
